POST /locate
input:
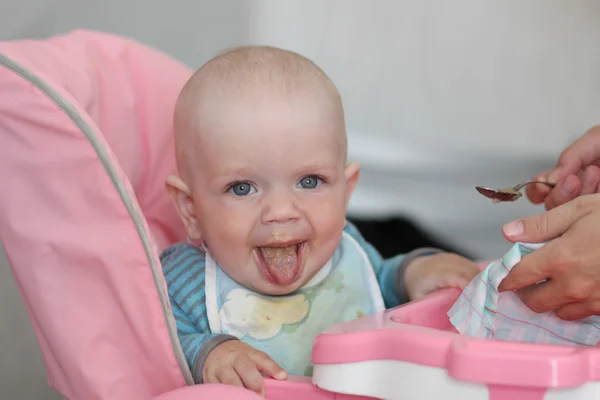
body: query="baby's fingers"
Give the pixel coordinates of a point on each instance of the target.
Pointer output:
(459, 275)
(228, 376)
(455, 281)
(469, 270)
(269, 367)
(249, 374)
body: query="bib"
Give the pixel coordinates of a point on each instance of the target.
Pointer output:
(285, 327)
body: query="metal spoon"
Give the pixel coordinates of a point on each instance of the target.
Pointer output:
(507, 194)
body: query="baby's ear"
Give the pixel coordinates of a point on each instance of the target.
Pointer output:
(352, 172)
(181, 197)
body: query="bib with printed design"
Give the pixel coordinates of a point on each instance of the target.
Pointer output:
(285, 327)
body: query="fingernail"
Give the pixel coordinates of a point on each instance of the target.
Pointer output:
(569, 185)
(513, 229)
(541, 187)
(504, 286)
(281, 375)
(555, 175)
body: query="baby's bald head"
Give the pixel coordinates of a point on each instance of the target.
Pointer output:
(261, 152)
(247, 76)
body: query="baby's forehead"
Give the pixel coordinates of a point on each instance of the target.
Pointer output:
(284, 141)
(247, 87)
(302, 123)
(269, 117)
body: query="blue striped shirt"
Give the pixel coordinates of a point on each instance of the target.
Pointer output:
(183, 268)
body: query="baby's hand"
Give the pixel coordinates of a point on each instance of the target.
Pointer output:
(236, 363)
(428, 274)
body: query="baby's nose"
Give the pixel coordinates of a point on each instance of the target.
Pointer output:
(280, 207)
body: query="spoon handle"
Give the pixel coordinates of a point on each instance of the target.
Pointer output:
(522, 185)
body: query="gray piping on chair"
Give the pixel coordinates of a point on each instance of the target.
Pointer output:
(91, 136)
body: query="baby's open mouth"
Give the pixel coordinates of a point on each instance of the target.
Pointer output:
(281, 263)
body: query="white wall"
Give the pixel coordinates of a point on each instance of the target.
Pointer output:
(440, 96)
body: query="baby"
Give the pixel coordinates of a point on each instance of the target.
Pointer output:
(262, 190)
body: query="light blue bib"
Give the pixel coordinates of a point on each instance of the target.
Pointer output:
(285, 327)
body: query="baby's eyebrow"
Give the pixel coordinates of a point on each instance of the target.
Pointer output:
(235, 172)
(228, 175)
(318, 167)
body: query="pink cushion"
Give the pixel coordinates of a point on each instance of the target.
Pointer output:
(88, 274)
(129, 92)
(210, 392)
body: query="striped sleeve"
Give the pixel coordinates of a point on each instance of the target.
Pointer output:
(183, 269)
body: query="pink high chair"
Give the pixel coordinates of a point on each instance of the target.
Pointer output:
(85, 147)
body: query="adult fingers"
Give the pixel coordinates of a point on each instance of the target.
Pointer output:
(549, 225)
(551, 258)
(563, 192)
(581, 153)
(543, 297)
(590, 178)
(537, 192)
(532, 268)
(573, 312)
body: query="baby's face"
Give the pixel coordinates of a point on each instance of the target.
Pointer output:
(270, 190)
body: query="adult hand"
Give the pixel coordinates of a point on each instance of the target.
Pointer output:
(577, 173)
(570, 261)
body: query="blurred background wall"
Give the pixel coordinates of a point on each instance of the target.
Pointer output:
(440, 96)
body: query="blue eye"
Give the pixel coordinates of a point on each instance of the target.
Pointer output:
(242, 189)
(309, 182)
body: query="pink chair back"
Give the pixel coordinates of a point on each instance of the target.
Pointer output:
(86, 145)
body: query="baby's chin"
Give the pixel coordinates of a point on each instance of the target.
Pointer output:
(263, 286)
(258, 283)
(268, 288)
(308, 272)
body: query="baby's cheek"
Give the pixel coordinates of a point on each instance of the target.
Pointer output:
(226, 234)
(328, 230)
(229, 225)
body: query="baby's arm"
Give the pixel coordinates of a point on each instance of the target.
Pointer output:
(196, 343)
(219, 358)
(212, 357)
(183, 268)
(416, 274)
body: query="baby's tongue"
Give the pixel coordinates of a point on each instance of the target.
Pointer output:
(282, 262)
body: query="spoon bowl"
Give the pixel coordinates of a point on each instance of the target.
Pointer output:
(507, 194)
